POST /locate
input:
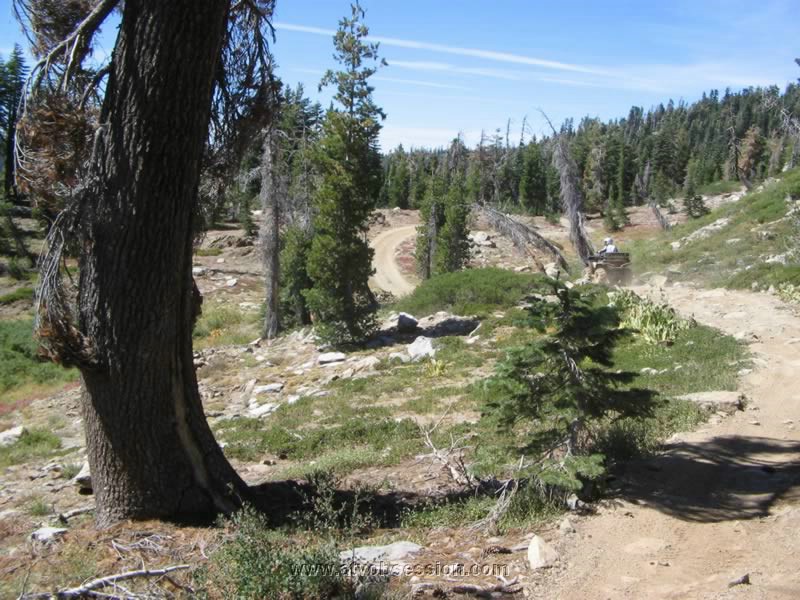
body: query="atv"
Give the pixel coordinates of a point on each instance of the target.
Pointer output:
(611, 268)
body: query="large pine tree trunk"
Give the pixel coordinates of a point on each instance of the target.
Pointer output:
(151, 452)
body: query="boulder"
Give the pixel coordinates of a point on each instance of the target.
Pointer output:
(481, 238)
(368, 363)
(406, 323)
(552, 270)
(83, 480)
(327, 358)
(566, 527)
(420, 348)
(231, 282)
(721, 401)
(540, 554)
(11, 436)
(199, 271)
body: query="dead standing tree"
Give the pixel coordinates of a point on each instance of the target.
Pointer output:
(151, 451)
(571, 195)
(272, 196)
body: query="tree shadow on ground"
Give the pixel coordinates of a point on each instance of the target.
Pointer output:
(726, 478)
(282, 501)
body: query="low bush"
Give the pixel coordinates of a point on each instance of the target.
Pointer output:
(471, 291)
(655, 322)
(33, 444)
(19, 363)
(23, 293)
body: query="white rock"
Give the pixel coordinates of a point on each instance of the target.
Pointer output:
(403, 358)
(676, 245)
(367, 363)
(540, 554)
(649, 371)
(199, 271)
(231, 282)
(389, 553)
(83, 480)
(47, 534)
(420, 348)
(327, 358)
(11, 436)
(220, 261)
(566, 527)
(270, 388)
(552, 270)
(292, 399)
(658, 281)
(263, 410)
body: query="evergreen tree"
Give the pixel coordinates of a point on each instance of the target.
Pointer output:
(13, 74)
(533, 180)
(559, 389)
(453, 243)
(340, 259)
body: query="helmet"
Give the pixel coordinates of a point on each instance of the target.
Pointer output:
(608, 241)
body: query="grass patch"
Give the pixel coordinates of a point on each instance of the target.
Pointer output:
(452, 513)
(719, 187)
(23, 293)
(19, 365)
(735, 256)
(33, 444)
(471, 291)
(221, 325)
(208, 251)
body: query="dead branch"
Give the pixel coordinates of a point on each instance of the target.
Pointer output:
(65, 517)
(90, 588)
(521, 235)
(452, 458)
(504, 587)
(72, 50)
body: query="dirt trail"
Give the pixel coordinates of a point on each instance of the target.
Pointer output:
(388, 276)
(723, 501)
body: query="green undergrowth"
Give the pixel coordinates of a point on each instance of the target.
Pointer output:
(221, 325)
(32, 445)
(20, 294)
(734, 256)
(470, 292)
(21, 370)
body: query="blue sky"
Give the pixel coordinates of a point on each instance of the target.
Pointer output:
(471, 65)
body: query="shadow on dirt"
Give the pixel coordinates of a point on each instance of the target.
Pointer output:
(726, 478)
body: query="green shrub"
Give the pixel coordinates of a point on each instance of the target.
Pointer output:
(657, 323)
(257, 563)
(719, 187)
(695, 207)
(472, 291)
(19, 364)
(33, 444)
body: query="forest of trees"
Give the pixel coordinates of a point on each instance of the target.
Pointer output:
(729, 136)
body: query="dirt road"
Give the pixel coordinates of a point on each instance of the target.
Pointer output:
(388, 276)
(723, 501)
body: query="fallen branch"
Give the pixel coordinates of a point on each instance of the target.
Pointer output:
(90, 588)
(452, 458)
(65, 517)
(521, 235)
(504, 587)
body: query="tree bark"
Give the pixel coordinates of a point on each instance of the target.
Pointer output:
(151, 451)
(271, 189)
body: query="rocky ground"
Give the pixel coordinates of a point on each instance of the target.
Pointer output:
(714, 512)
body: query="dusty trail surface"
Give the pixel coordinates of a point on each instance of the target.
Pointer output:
(388, 275)
(723, 501)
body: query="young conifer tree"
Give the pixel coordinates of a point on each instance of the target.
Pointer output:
(340, 259)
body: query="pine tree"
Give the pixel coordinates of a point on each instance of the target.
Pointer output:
(340, 260)
(558, 389)
(453, 243)
(533, 180)
(13, 74)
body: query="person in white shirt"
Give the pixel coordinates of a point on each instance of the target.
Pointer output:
(608, 247)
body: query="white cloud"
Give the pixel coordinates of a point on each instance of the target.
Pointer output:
(505, 57)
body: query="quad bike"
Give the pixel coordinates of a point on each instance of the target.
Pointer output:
(611, 268)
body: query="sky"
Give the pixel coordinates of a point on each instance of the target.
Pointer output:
(470, 66)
